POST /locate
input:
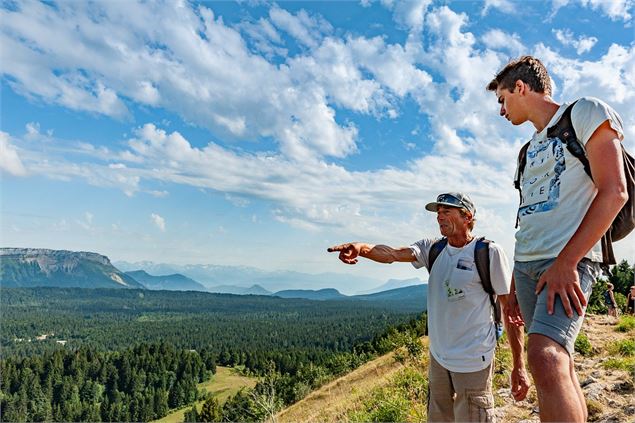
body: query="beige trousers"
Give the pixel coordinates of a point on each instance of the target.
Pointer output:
(459, 397)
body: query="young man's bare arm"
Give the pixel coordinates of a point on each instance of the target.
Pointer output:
(379, 253)
(605, 157)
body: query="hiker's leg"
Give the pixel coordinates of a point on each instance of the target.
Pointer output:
(576, 383)
(474, 400)
(440, 393)
(550, 350)
(550, 366)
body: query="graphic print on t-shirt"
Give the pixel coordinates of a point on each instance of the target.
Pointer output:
(541, 178)
(454, 294)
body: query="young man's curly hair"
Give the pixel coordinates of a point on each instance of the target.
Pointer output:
(529, 70)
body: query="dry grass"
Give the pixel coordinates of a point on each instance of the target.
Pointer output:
(334, 400)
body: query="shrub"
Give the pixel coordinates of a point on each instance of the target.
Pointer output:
(594, 408)
(583, 346)
(625, 324)
(625, 348)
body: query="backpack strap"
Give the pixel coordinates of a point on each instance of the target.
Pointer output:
(520, 168)
(563, 129)
(481, 259)
(435, 250)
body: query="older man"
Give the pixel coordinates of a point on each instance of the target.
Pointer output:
(460, 314)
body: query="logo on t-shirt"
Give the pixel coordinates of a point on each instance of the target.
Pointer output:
(454, 294)
(541, 178)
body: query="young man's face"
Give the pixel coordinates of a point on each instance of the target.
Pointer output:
(510, 107)
(451, 221)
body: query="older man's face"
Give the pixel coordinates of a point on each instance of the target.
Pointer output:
(451, 221)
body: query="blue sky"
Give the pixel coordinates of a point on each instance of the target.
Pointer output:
(260, 133)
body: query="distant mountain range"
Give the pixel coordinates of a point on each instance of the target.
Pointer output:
(220, 278)
(393, 284)
(30, 267)
(309, 294)
(175, 282)
(239, 290)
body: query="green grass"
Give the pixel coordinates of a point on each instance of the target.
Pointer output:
(625, 324)
(613, 363)
(624, 348)
(225, 383)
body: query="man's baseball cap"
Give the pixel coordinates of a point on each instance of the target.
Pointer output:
(453, 199)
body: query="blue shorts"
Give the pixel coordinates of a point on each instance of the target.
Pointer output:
(557, 326)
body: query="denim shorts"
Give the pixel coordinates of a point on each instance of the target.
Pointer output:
(557, 326)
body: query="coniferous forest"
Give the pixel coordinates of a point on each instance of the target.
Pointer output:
(132, 355)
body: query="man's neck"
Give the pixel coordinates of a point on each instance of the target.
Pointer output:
(541, 110)
(460, 240)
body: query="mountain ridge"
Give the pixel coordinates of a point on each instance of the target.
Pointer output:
(173, 282)
(30, 267)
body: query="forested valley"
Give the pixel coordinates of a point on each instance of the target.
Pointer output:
(71, 354)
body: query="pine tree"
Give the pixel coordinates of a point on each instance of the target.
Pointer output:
(191, 415)
(211, 411)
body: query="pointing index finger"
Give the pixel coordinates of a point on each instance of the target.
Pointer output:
(335, 248)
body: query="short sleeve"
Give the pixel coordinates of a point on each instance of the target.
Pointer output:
(589, 113)
(421, 249)
(499, 269)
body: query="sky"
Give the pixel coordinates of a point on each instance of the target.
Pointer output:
(259, 133)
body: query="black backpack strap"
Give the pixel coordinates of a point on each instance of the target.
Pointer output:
(563, 129)
(520, 167)
(435, 250)
(481, 259)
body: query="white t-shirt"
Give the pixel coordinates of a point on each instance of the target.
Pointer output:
(556, 192)
(460, 322)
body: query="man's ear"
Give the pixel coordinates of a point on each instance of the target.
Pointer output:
(520, 86)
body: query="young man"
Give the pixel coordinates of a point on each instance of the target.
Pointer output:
(562, 217)
(460, 325)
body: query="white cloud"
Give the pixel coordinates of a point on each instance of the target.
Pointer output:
(158, 221)
(306, 29)
(9, 160)
(582, 44)
(264, 37)
(497, 39)
(614, 9)
(409, 14)
(505, 6)
(32, 129)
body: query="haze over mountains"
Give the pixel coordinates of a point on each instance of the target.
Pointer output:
(28, 267)
(235, 279)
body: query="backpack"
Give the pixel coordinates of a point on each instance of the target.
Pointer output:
(624, 222)
(481, 259)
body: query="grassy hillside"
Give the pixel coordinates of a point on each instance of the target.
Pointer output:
(394, 387)
(225, 383)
